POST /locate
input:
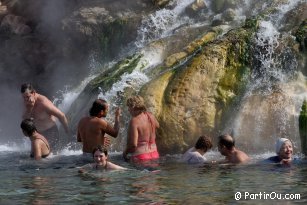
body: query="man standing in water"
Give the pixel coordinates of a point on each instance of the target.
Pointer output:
(226, 147)
(92, 129)
(44, 113)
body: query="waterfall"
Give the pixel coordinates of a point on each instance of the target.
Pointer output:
(272, 102)
(161, 23)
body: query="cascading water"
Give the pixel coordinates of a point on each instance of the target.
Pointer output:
(265, 113)
(161, 23)
(273, 100)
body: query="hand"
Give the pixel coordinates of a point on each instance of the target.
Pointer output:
(118, 111)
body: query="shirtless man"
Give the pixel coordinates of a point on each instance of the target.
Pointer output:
(226, 147)
(92, 129)
(44, 113)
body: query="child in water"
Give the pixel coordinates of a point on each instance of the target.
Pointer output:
(101, 162)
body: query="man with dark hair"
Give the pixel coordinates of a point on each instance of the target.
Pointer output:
(44, 113)
(226, 147)
(92, 129)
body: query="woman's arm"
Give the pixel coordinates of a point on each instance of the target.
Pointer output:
(36, 148)
(132, 138)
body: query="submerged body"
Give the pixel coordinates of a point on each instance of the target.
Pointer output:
(196, 154)
(39, 144)
(226, 147)
(101, 162)
(284, 151)
(193, 157)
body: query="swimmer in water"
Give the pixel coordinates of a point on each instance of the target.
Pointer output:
(39, 144)
(101, 162)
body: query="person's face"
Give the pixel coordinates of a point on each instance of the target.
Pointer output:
(100, 158)
(29, 98)
(222, 149)
(286, 150)
(105, 112)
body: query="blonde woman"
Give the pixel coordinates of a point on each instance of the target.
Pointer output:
(141, 138)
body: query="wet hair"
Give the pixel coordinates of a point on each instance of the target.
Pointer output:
(136, 103)
(101, 149)
(227, 141)
(27, 87)
(204, 143)
(28, 126)
(98, 106)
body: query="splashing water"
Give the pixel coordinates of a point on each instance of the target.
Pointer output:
(162, 23)
(69, 96)
(133, 80)
(270, 107)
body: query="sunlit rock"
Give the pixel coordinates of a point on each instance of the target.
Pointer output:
(197, 96)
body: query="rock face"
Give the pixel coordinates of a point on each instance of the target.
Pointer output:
(70, 33)
(195, 98)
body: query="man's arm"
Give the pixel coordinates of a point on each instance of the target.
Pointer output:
(53, 110)
(113, 131)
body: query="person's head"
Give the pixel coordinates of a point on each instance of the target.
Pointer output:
(28, 127)
(284, 148)
(99, 108)
(28, 93)
(136, 105)
(100, 155)
(225, 144)
(204, 143)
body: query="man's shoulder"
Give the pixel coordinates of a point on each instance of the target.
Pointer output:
(43, 100)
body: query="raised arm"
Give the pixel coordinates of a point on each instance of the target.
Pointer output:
(113, 131)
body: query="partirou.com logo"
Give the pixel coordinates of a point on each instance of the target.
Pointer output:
(264, 195)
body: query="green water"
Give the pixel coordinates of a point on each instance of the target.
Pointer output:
(56, 181)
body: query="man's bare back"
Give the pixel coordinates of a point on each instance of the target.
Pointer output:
(92, 129)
